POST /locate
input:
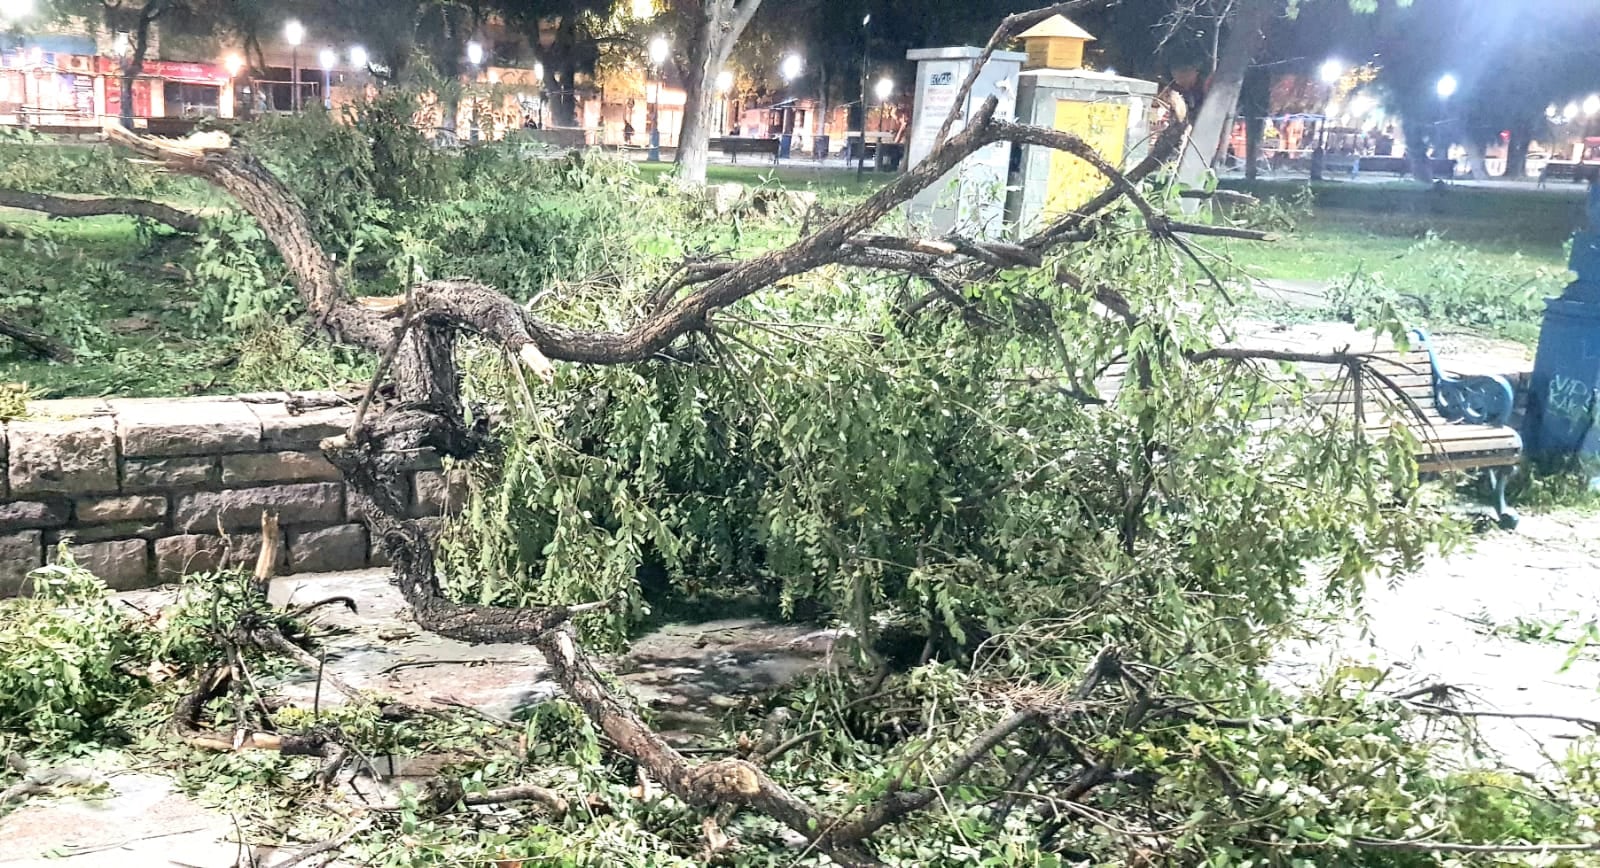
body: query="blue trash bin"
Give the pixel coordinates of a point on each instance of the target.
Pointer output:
(785, 141)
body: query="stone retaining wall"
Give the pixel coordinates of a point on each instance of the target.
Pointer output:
(147, 490)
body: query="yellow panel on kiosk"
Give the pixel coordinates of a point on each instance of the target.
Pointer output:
(1104, 126)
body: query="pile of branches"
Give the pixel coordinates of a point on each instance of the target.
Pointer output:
(416, 339)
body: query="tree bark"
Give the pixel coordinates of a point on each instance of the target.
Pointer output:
(1211, 122)
(718, 29)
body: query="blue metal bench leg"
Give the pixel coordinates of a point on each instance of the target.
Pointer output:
(1500, 478)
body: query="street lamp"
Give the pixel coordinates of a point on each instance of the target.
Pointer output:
(327, 58)
(1331, 71)
(474, 60)
(724, 86)
(659, 48)
(538, 77)
(1446, 87)
(883, 89)
(791, 68)
(233, 63)
(1591, 104)
(644, 8)
(358, 57)
(294, 33)
(866, 63)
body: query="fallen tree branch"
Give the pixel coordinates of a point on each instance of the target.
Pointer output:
(101, 206)
(38, 342)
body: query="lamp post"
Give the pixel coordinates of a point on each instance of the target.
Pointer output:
(538, 77)
(1329, 72)
(866, 61)
(233, 63)
(327, 58)
(790, 69)
(724, 87)
(658, 56)
(294, 33)
(474, 61)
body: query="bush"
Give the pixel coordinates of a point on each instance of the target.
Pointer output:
(67, 652)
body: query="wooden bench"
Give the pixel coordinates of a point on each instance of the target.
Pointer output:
(733, 146)
(1462, 423)
(1577, 172)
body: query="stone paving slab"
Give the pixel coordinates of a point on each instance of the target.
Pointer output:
(143, 822)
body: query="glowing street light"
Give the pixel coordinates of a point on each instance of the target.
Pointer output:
(15, 10)
(884, 88)
(658, 50)
(1591, 104)
(358, 57)
(725, 81)
(475, 53)
(1550, 111)
(233, 63)
(792, 65)
(294, 33)
(1446, 87)
(328, 58)
(1571, 110)
(1330, 71)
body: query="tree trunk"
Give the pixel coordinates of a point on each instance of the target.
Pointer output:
(134, 63)
(1211, 123)
(1254, 128)
(1417, 150)
(715, 37)
(1476, 164)
(1517, 154)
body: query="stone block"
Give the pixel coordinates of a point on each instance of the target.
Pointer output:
(132, 507)
(124, 565)
(20, 553)
(163, 428)
(277, 467)
(281, 429)
(77, 456)
(436, 492)
(31, 514)
(328, 549)
(310, 503)
(117, 530)
(178, 556)
(157, 473)
(68, 408)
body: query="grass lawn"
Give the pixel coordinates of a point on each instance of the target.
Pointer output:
(823, 179)
(1483, 260)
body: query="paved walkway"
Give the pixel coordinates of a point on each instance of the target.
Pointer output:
(1438, 625)
(1456, 621)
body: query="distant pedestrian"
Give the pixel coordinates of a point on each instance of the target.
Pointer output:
(627, 132)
